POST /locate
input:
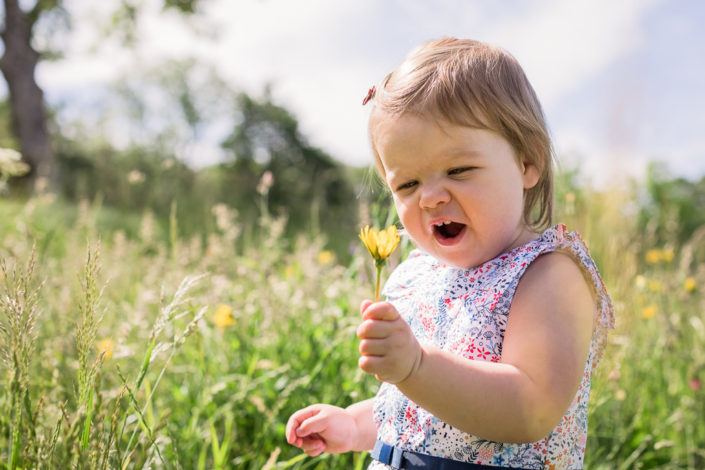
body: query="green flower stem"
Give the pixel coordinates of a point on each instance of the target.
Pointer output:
(379, 264)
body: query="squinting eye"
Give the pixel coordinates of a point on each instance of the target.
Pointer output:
(457, 171)
(407, 185)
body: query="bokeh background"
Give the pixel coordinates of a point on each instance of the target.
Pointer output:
(183, 182)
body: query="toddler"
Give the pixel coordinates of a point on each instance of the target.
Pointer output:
(493, 325)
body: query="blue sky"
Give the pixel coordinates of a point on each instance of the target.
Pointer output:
(621, 81)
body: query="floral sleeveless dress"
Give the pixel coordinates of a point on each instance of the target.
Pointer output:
(466, 312)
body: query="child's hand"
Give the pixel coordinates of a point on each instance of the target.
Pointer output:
(322, 428)
(389, 349)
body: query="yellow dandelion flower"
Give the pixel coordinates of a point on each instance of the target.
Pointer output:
(105, 347)
(667, 255)
(223, 316)
(689, 284)
(655, 286)
(653, 256)
(649, 311)
(380, 244)
(325, 257)
(290, 271)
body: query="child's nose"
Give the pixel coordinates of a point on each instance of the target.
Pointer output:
(433, 196)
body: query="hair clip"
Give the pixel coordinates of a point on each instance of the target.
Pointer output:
(370, 94)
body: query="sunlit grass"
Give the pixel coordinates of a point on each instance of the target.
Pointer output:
(161, 351)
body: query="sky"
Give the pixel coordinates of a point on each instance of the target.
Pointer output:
(621, 82)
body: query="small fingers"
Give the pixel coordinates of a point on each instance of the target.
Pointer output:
(378, 311)
(313, 445)
(370, 364)
(377, 329)
(364, 305)
(295, 422)
(313, 425)
(373, 347)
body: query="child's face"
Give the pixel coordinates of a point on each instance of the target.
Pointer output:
(459, 191)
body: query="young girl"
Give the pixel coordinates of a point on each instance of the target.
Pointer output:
(491, 328)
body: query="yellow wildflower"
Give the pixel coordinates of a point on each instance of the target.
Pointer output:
(653, 256)
(380, 245)
(655, 286)
(105, 347)
(689, 284)
(640, 282)
(649, 311)
(667, 255)
(290, 271)
(325, 257)
(223, 316)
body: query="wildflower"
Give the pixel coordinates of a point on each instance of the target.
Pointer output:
(380, 245)
(667, 255)
(9, 156)
(614, 375)
(649, 311)
(105, 348)
(695, 384)
(653, 256)
(640, 282)
(655, 286)
(265, 183)
(621, 395)
(223, 316)
(325, 257)
(135, 177)
(689, 284)
(11, 165)
(290, 271)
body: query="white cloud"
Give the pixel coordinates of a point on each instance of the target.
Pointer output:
(561, 44)
(321, 56)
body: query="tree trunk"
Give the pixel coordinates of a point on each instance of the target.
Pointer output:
(26, 98)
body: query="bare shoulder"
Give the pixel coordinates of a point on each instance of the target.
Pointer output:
(550, 325)
(554, 289)
(556, 275)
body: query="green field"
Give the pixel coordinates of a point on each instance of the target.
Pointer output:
(127, 345)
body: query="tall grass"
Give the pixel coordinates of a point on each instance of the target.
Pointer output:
(647, 406)
(160, 351)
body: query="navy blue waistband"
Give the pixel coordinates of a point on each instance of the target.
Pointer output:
(400, 459)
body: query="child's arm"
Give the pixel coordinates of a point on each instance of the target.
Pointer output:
(520, 399)
(325, 428)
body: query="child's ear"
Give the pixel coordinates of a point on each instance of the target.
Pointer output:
(530, 173)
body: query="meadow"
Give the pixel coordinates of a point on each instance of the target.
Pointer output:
(128, 345)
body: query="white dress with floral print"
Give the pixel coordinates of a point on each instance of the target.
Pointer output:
(465, 312)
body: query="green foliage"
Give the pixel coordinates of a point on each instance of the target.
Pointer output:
(316, 193)
(308, 185)
(164, 396)
(133, 180)
(647, 394)
(673, 208)
(182, 388)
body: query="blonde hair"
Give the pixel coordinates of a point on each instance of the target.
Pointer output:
(469, 83)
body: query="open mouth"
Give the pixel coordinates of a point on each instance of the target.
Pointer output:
(447, 231)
